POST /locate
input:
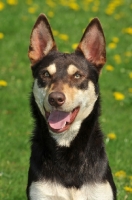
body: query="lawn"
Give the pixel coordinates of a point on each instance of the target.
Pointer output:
(68, 20)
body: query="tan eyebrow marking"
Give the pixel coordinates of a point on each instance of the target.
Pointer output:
(52, 69)
(72, 69)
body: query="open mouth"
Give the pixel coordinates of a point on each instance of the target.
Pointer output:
(59, 121)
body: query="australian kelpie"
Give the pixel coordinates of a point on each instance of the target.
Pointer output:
(68, 159)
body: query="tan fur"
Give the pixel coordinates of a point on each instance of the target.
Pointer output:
(72, 69)
(51, 69)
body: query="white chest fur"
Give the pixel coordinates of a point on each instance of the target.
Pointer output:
(53, 191)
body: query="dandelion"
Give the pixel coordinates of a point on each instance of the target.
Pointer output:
(128, 30)
(29, 2)
(74, 46)
(3, 83)
(115, 39)
(63, 37)
(95, 8)
(118, 96)
(2, 5)
(112, 45)
(109, 11)
(111, 136)
(12, 2)
(128, 189)
(117, 58)
(130, 75)
(128, 53)
(1, 36)
(32, 10)
(130, 90)
(109, 68)
(74, 6)
(118, 16)
(55, 33)
(120, 174)
(50, 14)
(50, 3)
(112, 6)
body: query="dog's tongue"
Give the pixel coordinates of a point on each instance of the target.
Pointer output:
(58, 119)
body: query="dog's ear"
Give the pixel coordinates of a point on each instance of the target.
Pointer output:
(41, 40)
(92, 44)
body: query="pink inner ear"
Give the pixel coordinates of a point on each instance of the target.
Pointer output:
(41, 42)
(93, 45)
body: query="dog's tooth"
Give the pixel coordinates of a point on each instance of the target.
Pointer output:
(64, 125)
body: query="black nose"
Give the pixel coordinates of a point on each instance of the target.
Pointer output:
(56, 99)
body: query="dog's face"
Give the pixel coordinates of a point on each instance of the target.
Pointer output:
(66, 85)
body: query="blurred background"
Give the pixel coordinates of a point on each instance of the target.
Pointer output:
(68, 20)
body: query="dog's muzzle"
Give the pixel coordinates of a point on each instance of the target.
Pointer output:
(58, 120)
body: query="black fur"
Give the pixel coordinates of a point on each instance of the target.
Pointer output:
(85, 161)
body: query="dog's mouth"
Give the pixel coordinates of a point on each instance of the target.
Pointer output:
(60, 121)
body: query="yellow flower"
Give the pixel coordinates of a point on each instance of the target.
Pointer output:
(130, 90)
(111, 136)
(50, 14)
(74, 6)
(50, 3)
(128, 30)
(112, 45)
(128, 53)
(109, 68)
(130, 75)
(128, 189)
(118, 96)
(29, 2)
(63, 37)
(3, 83)
(2, 5)
(120, 174)
(55, 33)
(1, 35)
(95, 8)
(118, 16)
(112, 6)
(109, 11)
(12, 2)
(32, 10)
(74, 46)
(115, 39)
(117, 58)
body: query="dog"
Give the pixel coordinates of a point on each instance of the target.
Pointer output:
(68, 159)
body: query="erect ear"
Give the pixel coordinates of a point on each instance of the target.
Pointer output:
(92, 44)
(41, 40)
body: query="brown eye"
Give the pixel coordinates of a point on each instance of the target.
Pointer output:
(77, 76)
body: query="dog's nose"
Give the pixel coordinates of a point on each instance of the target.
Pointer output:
(56, 99)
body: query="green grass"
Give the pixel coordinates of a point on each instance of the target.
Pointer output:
(15, 119)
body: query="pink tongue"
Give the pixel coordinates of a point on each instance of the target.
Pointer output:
(58, 119)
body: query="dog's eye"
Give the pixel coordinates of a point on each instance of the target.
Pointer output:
(46, 74)
(77, 76)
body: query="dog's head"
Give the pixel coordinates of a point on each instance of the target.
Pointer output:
(66, 85)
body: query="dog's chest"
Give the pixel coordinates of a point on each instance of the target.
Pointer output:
(53, 191)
